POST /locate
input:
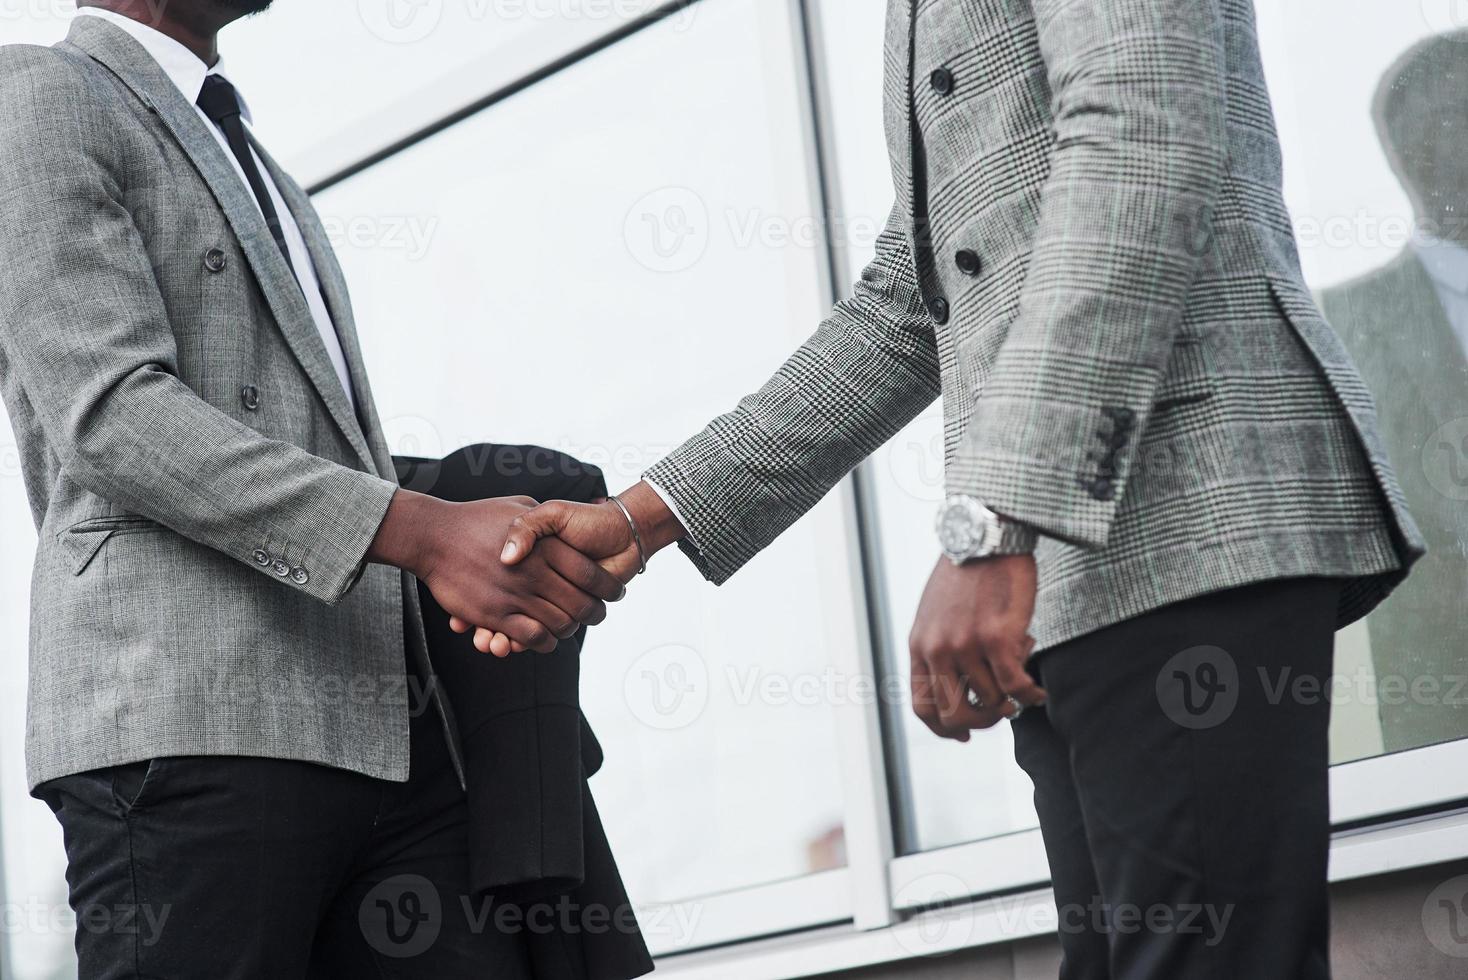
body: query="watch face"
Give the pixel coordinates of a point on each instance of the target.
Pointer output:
(964, 529)
(957, 532)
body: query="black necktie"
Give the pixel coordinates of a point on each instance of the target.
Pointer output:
(221, 103)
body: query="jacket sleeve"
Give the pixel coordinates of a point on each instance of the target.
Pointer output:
(85, 334)
(1138, 96)
(869, 369)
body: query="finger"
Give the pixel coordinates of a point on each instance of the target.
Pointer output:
(1014, 680)
(970, 676)
(488, 641)
(582, 572)
(925, 704)
(544, 521)
(531, 633)
(559, 604)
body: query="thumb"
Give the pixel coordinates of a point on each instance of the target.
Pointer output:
(544, 521)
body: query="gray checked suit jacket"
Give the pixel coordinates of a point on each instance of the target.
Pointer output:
(1128, 357)
(204, 493)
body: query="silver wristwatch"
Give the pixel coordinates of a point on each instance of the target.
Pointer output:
(968, 530)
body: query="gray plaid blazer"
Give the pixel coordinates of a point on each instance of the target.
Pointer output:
(199, 585)
(1112, 308)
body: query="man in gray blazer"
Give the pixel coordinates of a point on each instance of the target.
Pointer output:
(1164, 472)
(225, 629)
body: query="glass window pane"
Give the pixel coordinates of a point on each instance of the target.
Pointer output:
(331, 83)
(600, 264)
(1372, 126)
(947, 792)
(373, 71)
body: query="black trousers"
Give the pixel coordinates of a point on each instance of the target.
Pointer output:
(1181, 778)
(242, 868)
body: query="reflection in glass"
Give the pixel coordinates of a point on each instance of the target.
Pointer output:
(1406, 324)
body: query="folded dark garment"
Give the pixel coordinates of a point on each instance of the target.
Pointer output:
(536, 839)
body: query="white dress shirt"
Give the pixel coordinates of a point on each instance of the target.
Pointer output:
(1447, 266)
(187, 73)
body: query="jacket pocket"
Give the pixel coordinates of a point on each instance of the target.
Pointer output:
(83, 540)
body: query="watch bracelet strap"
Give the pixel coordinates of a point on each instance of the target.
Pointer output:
(1016, 538)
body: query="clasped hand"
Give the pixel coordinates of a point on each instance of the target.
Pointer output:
(598, 533)
(455, 549)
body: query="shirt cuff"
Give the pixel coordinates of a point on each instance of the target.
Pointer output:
(672, 505)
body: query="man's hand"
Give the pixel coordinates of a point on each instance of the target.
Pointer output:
(971, 635)
(454, 549)
(599, 531)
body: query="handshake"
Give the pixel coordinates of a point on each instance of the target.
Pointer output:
(524, 575)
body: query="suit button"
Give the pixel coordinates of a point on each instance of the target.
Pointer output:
(215, 260)
(942, 81)
(280, 568)
(968, 262)
(300, 576)
(250, 398)
(261, 559)
(939, 309)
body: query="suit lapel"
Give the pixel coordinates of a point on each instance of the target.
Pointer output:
(136, 69)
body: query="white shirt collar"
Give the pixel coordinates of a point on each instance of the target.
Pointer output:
(1446, 262)
(181, 65)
